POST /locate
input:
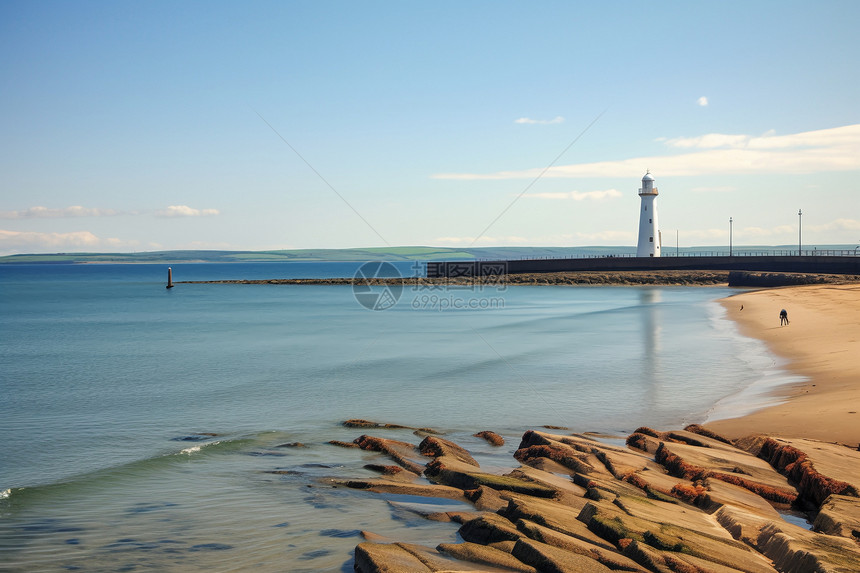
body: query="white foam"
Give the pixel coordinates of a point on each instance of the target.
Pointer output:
(757, 396)
(198, 447)
(5, 493)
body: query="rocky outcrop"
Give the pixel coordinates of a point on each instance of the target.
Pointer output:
(839, 515)
(485, 555)
(698, 458)
(405, 557)
(382, 485)
(435, 447)
(694, 466)
(492, 438)
(796, 550)
(468, 479)
(703, 431)
(398, 451)
(813, 486)
(680, 501)
(361, 423)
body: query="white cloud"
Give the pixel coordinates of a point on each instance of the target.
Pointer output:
(710, 141)
(822, 138)
(12, 242)
(837, 225)
(74, 239)
(702, 101)
(529, 121)
(39, 212)
(185, 211)
(578, 195)
(35, 242)
(825, 150)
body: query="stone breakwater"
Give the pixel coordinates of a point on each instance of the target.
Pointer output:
(685, 501)
(633, 278)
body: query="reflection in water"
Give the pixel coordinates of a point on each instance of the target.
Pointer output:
(649, 300)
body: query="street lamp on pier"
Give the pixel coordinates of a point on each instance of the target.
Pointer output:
(799, 233)
(730, 236)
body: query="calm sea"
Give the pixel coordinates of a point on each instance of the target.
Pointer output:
(139, 425)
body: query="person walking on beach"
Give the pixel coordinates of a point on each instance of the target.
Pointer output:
(783, 317)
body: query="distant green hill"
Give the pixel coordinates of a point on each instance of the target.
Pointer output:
(366, 254)
(370, 254)
(383, 254)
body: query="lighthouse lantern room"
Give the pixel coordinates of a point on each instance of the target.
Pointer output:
(649, 233)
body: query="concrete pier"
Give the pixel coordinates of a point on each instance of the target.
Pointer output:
(765, 263)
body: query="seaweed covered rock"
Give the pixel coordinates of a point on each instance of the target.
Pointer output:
(492, 438)
(400, 452)
(465, 478)
(818, 469)
(436, 447)
(485, 555)
(403, 557)
(729, 465)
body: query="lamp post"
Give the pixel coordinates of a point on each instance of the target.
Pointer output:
(799, 233)
(730, 236)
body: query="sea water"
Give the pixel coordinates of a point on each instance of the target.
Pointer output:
(188, 428)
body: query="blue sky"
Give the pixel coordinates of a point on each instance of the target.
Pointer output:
(134, 126)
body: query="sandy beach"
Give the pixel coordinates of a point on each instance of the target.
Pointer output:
(820, 343)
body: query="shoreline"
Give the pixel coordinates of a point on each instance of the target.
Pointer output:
(818, 347)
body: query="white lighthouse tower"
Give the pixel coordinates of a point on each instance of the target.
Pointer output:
(649, 232)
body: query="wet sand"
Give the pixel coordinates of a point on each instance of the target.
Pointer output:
(821, 343)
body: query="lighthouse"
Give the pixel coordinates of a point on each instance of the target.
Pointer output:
(649, 232)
